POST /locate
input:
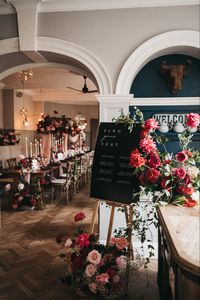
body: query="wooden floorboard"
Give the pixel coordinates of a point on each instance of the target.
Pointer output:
(29, 266)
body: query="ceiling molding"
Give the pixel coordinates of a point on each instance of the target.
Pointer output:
(78, 5)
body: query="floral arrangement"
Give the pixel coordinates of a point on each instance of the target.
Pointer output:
(94, 267)
(169, 178)
(8, 137)
(58, 126)
(24, 196)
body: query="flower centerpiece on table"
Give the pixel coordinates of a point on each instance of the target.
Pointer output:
(91, 266)
(169, 178)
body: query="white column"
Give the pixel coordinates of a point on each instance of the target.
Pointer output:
(111, 106)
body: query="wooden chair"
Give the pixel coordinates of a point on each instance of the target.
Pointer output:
(12, 163)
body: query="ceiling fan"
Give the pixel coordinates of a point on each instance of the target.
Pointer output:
(85, 89)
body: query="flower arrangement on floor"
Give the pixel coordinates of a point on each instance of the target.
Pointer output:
(23, 196)
(94, 267)
(168, 177)
(8, 138)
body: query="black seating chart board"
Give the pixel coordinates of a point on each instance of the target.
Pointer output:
(112, 176)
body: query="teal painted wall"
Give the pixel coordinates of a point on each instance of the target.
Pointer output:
(150, 83)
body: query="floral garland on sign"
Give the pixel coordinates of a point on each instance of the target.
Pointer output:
(93, 267)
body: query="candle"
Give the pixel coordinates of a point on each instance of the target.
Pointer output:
(31, 149)
(40, 149)
(36, 149)
(26, 144)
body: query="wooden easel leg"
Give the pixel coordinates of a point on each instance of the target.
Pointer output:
(94, 217)
(110, 225)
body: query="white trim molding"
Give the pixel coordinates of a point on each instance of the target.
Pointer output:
(111, 106)
(78, 5)
(168, 101)
(162, 44)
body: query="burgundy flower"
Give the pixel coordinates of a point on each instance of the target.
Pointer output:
(77, 262)
(152, 175)
(153, 160)
(79, 217)
(181, 156)
(189, 202)
(163, 183)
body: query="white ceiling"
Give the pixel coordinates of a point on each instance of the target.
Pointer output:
(51, 85)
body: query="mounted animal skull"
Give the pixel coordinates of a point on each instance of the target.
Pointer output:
(175, 74)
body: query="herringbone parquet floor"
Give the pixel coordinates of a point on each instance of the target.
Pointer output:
(29, 266)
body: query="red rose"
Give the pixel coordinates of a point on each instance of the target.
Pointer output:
(187, 179)
(189, 202)
(151, 124)
(180, 173)
(152, 175)
(153, 160)
(33, 202)
(181, 156)
(147, 144)
(193, 120)
(79, 217)
(136, 160)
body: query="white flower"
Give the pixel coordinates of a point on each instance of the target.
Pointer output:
(7, 187)
(68, 243)
(20, 186)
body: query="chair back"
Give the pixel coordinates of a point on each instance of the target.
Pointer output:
(12, 163)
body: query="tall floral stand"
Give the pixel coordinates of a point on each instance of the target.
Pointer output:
(46, 146)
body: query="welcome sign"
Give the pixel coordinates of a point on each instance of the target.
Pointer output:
(170, 118)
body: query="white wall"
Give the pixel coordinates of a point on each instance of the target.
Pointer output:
(112, 35)
(1, 108)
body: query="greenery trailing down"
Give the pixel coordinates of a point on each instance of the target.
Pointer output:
(130, 122)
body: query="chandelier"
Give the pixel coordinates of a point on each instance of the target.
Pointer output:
(80, 121)
(24, 75)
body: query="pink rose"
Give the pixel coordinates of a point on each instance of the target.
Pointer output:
(83, 240)
(68, 243)
(181, 156)
(121, 262)
(41, 129)
(79, 217)
(180, 173)
(90, 270)
(152, 175)
(193, 120)
(94, 257)
(136, 160)
(103, 278)
(93, 287)
(153, 160)
(120, 242)
(116, 278)
(151, 124)
(147, 144)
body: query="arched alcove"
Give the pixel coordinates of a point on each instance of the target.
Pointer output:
(179, 41)
(71, 51)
